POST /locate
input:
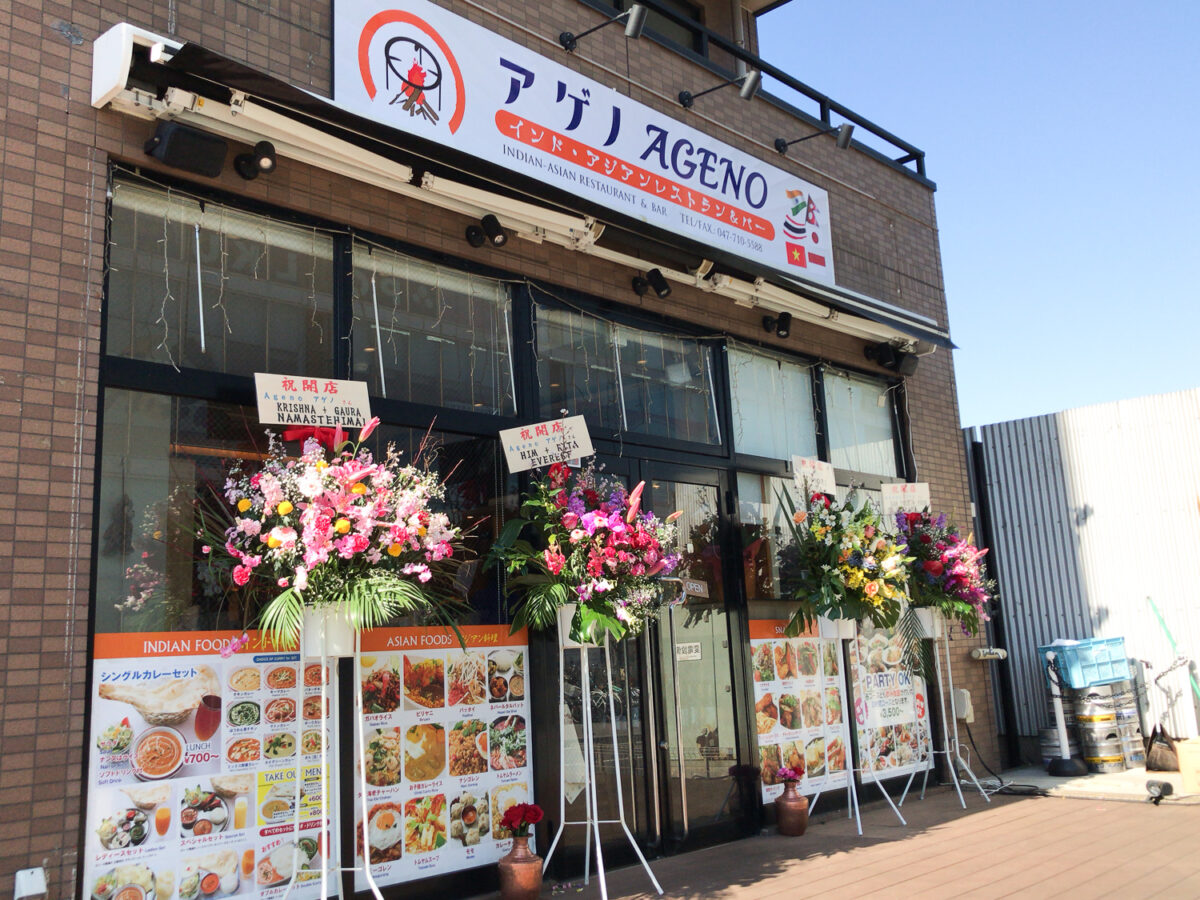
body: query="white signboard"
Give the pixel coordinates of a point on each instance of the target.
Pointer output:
(910, 497)
(891, 706)
(800, 708)
(546, 443)
(813, 475)
(689, 650)
(426, 71)
(315, 402)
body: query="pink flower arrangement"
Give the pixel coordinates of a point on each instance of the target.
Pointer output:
(948, 573)
(595, 546)
(339, 529)
(787, 774)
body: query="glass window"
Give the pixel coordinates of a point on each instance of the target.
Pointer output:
(577, 368)
(428, 334)
(207, 287)
(861, 432)
(163, 466)
(658, 24)
(772, 405)
(764, 530)
(624, 379)
(667, 386)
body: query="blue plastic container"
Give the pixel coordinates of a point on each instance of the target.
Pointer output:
(1091, 662)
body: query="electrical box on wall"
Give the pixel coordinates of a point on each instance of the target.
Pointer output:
(962, 705)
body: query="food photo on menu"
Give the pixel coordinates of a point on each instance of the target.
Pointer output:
(470, 819)
(148, 716)
(424, 682)
(221, 873)
(383, 757)
(385, 833)
(506, 676)
(424, 752)
(764, 663)
(468, 748)
(279, 863)
(381, 684)
(466, 678)
(425, 824)
(133, 816)
(134, 881)
(507, 743)
(504, 797)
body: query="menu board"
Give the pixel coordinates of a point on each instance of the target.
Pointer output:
(890, 706)
(448, 748)
(800, 702)
(194, 760)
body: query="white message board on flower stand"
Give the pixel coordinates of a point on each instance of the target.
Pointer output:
(311, 402)
(910, 496)
(546, 443)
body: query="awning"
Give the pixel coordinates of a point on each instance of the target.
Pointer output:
(425, 165)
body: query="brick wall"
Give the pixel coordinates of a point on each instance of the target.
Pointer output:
(56, 149)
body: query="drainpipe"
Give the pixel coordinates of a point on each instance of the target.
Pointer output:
(739, 34)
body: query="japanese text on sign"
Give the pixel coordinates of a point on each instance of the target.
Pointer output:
(311, 402)
(546, 443)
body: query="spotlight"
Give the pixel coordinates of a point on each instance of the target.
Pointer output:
(1159, 789)
(652, 281)
(750, 82)
(891, 357)
(635, 21)
(844, 132)
(489, 230)
(260, 161)
(780, 324)
(188, 148)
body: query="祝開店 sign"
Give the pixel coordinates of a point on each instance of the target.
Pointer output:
(546, 443)
(433, 74)
(315, 402)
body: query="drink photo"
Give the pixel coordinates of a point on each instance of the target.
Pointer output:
(208, 717)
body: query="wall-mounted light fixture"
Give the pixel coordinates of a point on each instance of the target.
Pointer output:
(488, 231)
(635, 21)
(187, 148)
(780, 324)
(892, 357)
(260, 161)
(652, 281)
(843, 132)
(750, 82)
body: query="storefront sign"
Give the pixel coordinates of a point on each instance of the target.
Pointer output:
(311, 402)
(813, 476)
(800, 701)
(448, 748)
(194, 760)
(693, 587)
(429, 72)
(908, 497)
(890, 706)
(546, 443)
(687, 651)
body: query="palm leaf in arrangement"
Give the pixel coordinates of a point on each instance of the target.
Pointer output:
(917, 648)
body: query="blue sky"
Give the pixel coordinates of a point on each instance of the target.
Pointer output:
(1063, 139)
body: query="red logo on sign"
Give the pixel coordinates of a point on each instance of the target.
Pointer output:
(920, 706)
(416, 66)
(860, 710)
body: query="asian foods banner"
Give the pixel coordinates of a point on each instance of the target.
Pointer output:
(891, 706)
(800, 708)
(193, 766)
(448, 748)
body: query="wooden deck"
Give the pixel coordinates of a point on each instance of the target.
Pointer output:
(1014, 847)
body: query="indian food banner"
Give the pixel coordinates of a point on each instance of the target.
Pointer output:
(193, 764)
(800, 708)
(448, 748)
(891, 706)
(420, 68)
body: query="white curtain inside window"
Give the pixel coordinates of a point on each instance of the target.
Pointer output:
(861, 436)
(772, 405)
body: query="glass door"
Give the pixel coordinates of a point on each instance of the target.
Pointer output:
(690, 679)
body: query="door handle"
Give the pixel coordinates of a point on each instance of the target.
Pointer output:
(664, 745)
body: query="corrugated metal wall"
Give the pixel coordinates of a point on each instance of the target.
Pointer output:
(1092, 511)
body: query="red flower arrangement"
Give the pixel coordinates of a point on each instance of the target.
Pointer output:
(518, 817)
(949, 573)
